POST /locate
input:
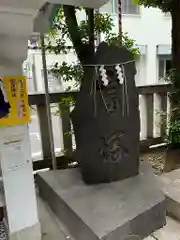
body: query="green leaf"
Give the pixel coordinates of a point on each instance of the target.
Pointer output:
(136, 1)
(164, 5)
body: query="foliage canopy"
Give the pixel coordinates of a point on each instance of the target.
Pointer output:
(164, 5)
(74, 31)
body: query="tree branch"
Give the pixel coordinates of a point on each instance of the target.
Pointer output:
(71, 21)
(90, 14)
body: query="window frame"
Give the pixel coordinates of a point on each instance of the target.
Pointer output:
(114, 4)
(167, 14)
(51, 78)
(162, 58)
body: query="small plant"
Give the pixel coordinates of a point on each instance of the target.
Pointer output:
(125, 41)
(173, 126)
(173, 137)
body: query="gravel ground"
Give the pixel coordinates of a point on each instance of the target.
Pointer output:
(3, 234)
(156, 159)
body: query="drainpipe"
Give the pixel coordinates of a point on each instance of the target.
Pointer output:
(34, 73)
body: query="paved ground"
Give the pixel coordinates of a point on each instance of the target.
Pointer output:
(53, 230)
(170, 232)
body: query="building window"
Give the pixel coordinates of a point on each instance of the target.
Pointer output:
(167, 14)
(128, 7)
(27, 69)
(165, 65)
(55, 83)
(28, 72)
(109, 7)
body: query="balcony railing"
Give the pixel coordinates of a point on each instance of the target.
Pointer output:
(153, 100)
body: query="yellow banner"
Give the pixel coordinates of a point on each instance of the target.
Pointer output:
(16, 91)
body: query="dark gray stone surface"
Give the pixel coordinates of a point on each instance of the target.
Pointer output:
(113, 211)
(106, 121)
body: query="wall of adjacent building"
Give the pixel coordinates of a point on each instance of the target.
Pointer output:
(149, 27)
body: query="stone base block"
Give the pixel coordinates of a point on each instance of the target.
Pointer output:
(113, 211)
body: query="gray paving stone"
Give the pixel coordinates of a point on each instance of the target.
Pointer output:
(149, 238)
(171, 187)
(170, 232)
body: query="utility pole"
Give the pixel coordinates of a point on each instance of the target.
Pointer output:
(119, 7)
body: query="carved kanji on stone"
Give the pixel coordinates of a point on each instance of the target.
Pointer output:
(113, 150)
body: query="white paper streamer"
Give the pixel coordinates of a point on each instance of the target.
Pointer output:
(120, 74)
(103, 75)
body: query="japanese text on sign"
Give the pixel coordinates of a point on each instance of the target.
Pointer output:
(17, 95)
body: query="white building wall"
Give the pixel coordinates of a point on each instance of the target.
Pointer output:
(141, 70)
(149, 28)
(34, 57)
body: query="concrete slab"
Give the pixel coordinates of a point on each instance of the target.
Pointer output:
(171, 187)
(107, 211)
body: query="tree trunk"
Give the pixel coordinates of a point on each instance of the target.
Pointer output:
(175, 97)
(174, 132)
(176, 35)
(85, 52)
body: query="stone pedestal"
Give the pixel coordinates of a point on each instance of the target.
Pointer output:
(113, 211)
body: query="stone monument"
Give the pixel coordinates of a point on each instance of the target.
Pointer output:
(109, 197)
(107, 105)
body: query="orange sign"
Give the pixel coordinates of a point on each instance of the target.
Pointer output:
(16, 92)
